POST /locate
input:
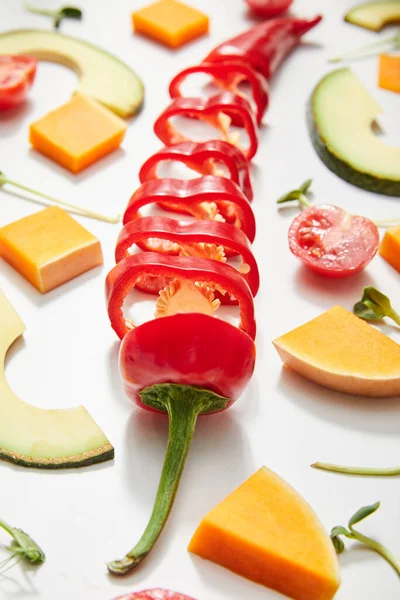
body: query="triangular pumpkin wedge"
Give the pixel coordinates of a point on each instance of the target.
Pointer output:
(266, 532)
(341, 352)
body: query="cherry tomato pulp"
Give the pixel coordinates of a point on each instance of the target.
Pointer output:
(331, 242)
(17, 74)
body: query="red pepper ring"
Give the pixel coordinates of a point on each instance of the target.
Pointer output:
(123, 277)
(181, 233)
(212, 110)
(201, 157)
(228, 75)
(187, 195)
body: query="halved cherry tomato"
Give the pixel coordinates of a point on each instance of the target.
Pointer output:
(331, 242)
(17, 74)
(157, 594)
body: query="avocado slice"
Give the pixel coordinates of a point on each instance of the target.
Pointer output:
(101, 75)
(35, 437)
(341, 115)
(374, 15)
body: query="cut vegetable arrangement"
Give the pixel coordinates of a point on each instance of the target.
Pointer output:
(187, 362)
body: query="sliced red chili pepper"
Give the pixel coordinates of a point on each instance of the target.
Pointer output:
(202, 158)
(218, 111)
(198, 357)
(157, 594)
(228, 75)
(183, 234)
(264, 46)
(269, 8)
(123, 277)
(193, 195)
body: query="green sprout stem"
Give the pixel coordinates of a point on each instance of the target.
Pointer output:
(370, 50)
(362, 471)
(298, 195)
(374, 306)
(79, 210)
(23, 547)
(353, 534)
(66, 12)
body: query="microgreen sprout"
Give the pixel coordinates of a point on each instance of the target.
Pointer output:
(299, 195)
(79, 210)
(22, 547)
(352, 534)
(390, 43)
(374, 306)
(66, 12)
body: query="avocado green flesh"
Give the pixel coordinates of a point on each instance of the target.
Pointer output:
(101, 75)
(374, 15)
(35, 437)
(340, 118)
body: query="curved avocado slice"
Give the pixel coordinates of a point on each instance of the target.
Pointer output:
(374, 15)
(101, 75)
(35, 437)
(340, 118)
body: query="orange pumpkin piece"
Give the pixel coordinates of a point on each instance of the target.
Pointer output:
(390, 247)
(78, 133)
(342, 352)
(49, 248)
(170, 22)
(389, 72)
(266, 532)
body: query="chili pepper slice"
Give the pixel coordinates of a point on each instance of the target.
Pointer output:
(195, 197)
(201, 157)
(123, 277)
(218, 111)
(228, 75)
(269, 8)
(264, 46)
(184, 236)
(157, 594)
(184, 365)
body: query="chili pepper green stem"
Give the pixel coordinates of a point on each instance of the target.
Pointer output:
(363, 471)
(71, 207)
(183, 405)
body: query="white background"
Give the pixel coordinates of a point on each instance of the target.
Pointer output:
(68, 354)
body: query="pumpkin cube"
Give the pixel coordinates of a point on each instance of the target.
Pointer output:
(390, 247)
(170, 22)
(49, 248)
(78, 133)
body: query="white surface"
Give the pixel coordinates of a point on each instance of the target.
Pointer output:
(68, 355)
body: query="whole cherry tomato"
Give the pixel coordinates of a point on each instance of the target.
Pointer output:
(331, 242)
(17, 74)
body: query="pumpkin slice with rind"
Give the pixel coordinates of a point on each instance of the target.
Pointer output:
(340, 351)
(42, 438)
(266, 532)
